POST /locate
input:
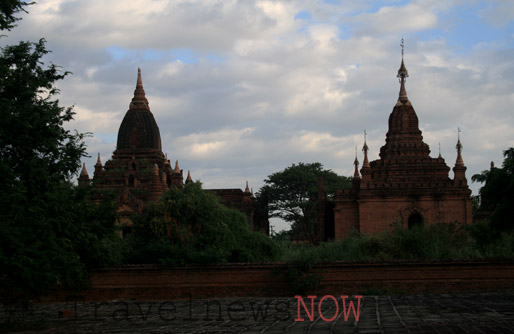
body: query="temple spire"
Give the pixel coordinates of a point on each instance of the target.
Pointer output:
(98, 167)
(83, 179)
(402, 75)
(139, 100)
(189, 178)
(83, 172)
(365, 149)
(356, 164)
(247, 189)
(459, 161)
(439, 151)
(177, 168)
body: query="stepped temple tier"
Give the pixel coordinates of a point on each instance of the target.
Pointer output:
(406, 185)
(140, 172)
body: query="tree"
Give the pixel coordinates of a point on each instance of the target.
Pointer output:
(8, 8)
(49, 233)
(497, 193)
(292, 192)
(190, 225)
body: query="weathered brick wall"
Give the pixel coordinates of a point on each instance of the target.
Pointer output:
(372, 215)
(239, 280)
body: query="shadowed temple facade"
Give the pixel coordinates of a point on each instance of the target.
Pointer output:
(405, 186)
(140, 172)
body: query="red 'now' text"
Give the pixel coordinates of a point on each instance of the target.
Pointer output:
(346, 310)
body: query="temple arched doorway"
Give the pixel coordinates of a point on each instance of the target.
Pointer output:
(415, 219)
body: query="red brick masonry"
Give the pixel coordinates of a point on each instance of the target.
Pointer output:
(262, 280)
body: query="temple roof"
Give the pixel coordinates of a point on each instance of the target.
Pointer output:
(405, 157)
(404, 136)
(139, 130)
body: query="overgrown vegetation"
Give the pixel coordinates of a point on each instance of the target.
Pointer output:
(190, 225)
(440, 241)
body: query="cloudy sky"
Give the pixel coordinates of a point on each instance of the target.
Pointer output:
(242, 89)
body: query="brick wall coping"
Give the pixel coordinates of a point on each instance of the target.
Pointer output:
(271, 265)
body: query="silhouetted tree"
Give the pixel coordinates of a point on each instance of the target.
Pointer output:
(291, 193)
(497, 193)
(49, 232)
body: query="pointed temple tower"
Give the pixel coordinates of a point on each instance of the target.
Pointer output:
(139, 171)
(405, 185)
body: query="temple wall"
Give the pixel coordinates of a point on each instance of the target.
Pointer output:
(377, 215)
(346, 218)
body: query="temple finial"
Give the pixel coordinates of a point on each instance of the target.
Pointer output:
(402, 75)
(83, 172)
(439, 151)
(356, 164)
(98, 161)
(177, 168)
(247, 189)
(365, 163)
(139, 100)
(189, 178)
(459, 161)
(83, 178)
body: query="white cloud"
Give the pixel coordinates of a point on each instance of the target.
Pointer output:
(388, 19)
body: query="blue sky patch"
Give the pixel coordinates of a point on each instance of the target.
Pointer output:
(303, 15)
(185, 55)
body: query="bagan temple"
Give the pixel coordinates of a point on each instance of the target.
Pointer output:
(404, 186)
(140, 172)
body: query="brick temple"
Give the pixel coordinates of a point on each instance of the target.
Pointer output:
(406, 185)
(140, 172)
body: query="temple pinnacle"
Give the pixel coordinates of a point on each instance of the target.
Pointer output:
(365, 149)
(177, 168)
(402, 75)
(356, 164)
(459, 161)
(139, 100)
(84, 171)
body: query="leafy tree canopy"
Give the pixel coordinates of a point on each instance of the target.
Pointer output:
(291, 191)
(497, 193)
(190, 225)
(8, 9)
(49, 232)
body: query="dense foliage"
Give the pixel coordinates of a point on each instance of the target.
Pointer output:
(192, 226)
(497, 193)
(291, 194)
(49, 232)
(440, 241)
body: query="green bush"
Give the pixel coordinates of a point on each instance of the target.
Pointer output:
(190, 225)
(439, 241)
